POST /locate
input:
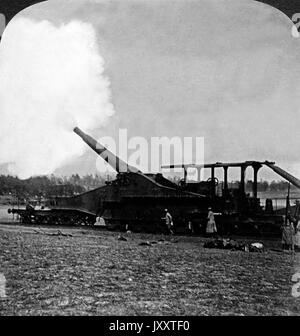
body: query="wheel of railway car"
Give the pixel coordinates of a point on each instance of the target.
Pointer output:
(28, 219)
(38, 220)
(91, 222)
(216, 180)
(79, 221)
(58, 220)
(65, 220)
(33, 219)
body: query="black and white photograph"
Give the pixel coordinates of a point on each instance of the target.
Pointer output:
(149, 162)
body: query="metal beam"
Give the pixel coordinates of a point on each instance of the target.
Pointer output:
(225, 180)
(287, 176)
(242, 182)
(215, 165)
(256, 168)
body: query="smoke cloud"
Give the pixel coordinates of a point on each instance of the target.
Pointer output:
(52, 79)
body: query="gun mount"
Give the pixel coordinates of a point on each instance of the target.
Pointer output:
(133, 199)
(137, 200)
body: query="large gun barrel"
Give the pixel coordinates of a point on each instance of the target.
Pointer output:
(289, 177)
(115, 162)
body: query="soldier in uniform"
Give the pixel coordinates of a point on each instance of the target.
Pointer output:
(211, 228)
(169, 221)
(288, 232)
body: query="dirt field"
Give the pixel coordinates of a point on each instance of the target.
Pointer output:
(94, 273)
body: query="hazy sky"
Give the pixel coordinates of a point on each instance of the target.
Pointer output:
(225, 70)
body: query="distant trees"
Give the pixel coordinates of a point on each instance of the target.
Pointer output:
(279, 186)
(265, 186)
(49, 185)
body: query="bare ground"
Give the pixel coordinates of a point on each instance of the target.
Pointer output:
(94, 273)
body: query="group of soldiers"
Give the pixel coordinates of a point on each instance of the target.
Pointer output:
(211, 227)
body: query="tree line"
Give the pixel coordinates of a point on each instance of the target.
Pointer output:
(46, 186)
(265, 186)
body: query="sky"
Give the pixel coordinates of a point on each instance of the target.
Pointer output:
(225, 70)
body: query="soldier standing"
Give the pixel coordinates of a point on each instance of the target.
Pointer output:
(211, 228)
(169, 221)
(288, 232)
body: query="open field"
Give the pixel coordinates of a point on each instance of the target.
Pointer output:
(91, 272)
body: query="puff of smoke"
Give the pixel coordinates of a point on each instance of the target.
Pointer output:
(52, 79)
